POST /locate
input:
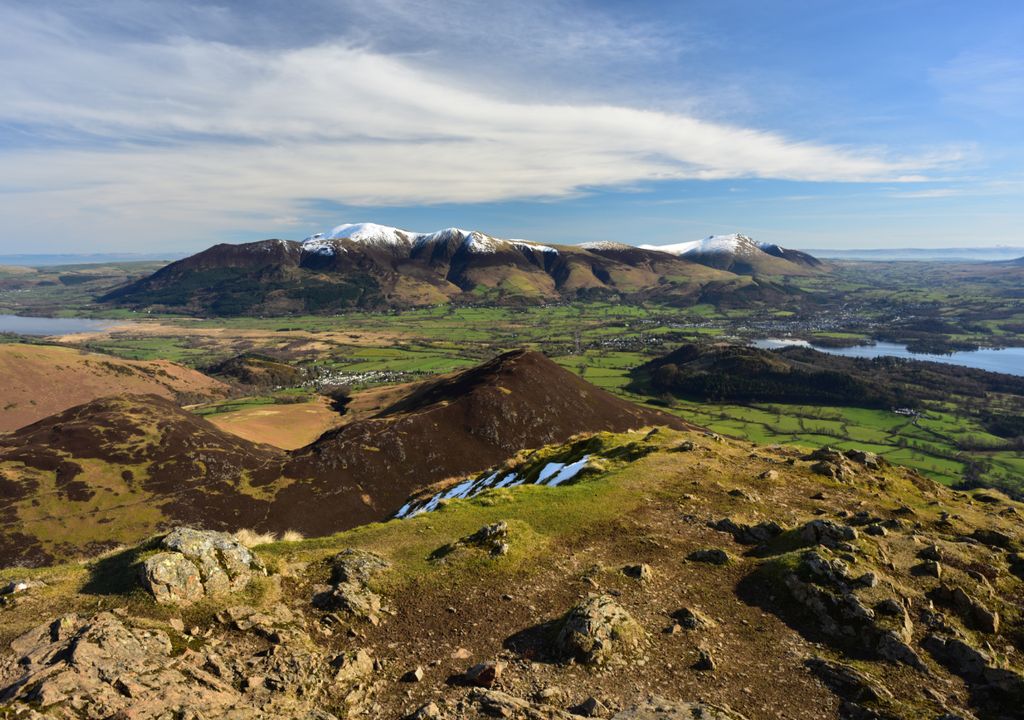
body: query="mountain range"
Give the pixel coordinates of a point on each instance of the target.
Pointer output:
(374, 266)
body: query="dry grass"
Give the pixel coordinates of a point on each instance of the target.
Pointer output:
(251, 538)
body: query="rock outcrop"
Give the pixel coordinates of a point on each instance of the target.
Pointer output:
(197, 564)
(824, 589)
(108, 667)
(350, 593)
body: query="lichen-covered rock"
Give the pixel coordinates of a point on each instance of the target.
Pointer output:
(173, 579)
(352, 598)
(356, 566)
(597, 631)
(351, 572)
(198, 564)
(224, 563)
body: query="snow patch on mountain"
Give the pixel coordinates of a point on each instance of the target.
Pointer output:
(383, 236)
(734, 244)
(606, 245)
(552, 474)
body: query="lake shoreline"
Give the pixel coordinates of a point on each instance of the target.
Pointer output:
(1008, 360)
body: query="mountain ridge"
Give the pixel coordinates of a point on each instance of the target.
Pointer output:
(374, 266)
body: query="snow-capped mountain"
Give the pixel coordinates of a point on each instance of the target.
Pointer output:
(740, 253)
(384, 236)
(368, 265)
(734, 243)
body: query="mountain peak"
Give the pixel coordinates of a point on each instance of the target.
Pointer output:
(368, 233)
(734, 243)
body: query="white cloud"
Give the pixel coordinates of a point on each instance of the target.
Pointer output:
(187, 136)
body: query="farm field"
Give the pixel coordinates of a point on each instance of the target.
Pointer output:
(287, 426)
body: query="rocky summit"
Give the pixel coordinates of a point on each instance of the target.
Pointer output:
(683, 575)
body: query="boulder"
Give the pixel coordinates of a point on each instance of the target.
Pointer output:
(493, 538)
(641, 572)
(173, 579)
(353, 667)
(973, 612)
(827, 533)
(713, 556)
(356, 566)
(597, 631)
(198, 564)
(867, 459)
(494, 703)
(692, 619)
(484, 674)
(749, 534)
(351, 572)
(824, 591)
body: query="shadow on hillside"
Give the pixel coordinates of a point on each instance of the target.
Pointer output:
(535, 643)
(117, 573)
(758, 591)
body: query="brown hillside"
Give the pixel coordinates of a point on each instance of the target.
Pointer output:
(458, 424)
(40, 380)
(117, 469)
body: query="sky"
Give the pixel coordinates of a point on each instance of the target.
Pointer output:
(148, 126)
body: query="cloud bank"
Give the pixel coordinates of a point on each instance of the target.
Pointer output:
(110, 136)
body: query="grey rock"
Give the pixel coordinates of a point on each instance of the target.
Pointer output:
(713, 556)
(598, 630)
(356, 566)
(198, 564)
(827, 533)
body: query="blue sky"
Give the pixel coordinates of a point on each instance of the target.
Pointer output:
(168, 126)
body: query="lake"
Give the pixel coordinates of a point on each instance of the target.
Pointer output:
(52, 326)
(1006, 360)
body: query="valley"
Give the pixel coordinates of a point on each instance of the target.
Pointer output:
(616, 447)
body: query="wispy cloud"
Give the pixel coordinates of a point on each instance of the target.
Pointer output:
(928, 193)
(175, 135)
(989, 81)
